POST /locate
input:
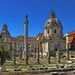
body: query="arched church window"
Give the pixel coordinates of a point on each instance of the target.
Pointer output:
(48, 22)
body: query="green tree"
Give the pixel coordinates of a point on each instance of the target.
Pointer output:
(4, 54)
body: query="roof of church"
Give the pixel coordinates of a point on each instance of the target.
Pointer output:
(52, 20)
(5, 30)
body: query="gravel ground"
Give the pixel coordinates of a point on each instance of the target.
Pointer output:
(23, 73)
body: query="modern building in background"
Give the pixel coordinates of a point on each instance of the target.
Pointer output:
(70, 40)
(70, 43)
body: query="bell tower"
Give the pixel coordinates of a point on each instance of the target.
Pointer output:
(5, 33)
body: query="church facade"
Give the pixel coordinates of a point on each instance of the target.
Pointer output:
(53, 36)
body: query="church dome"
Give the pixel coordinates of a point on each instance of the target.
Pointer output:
(52, 21)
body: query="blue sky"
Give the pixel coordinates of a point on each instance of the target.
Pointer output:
(13, 13)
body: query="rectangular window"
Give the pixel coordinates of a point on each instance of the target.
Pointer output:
(48, 31)
(55, 31)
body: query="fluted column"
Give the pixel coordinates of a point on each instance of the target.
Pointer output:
(26, 36)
